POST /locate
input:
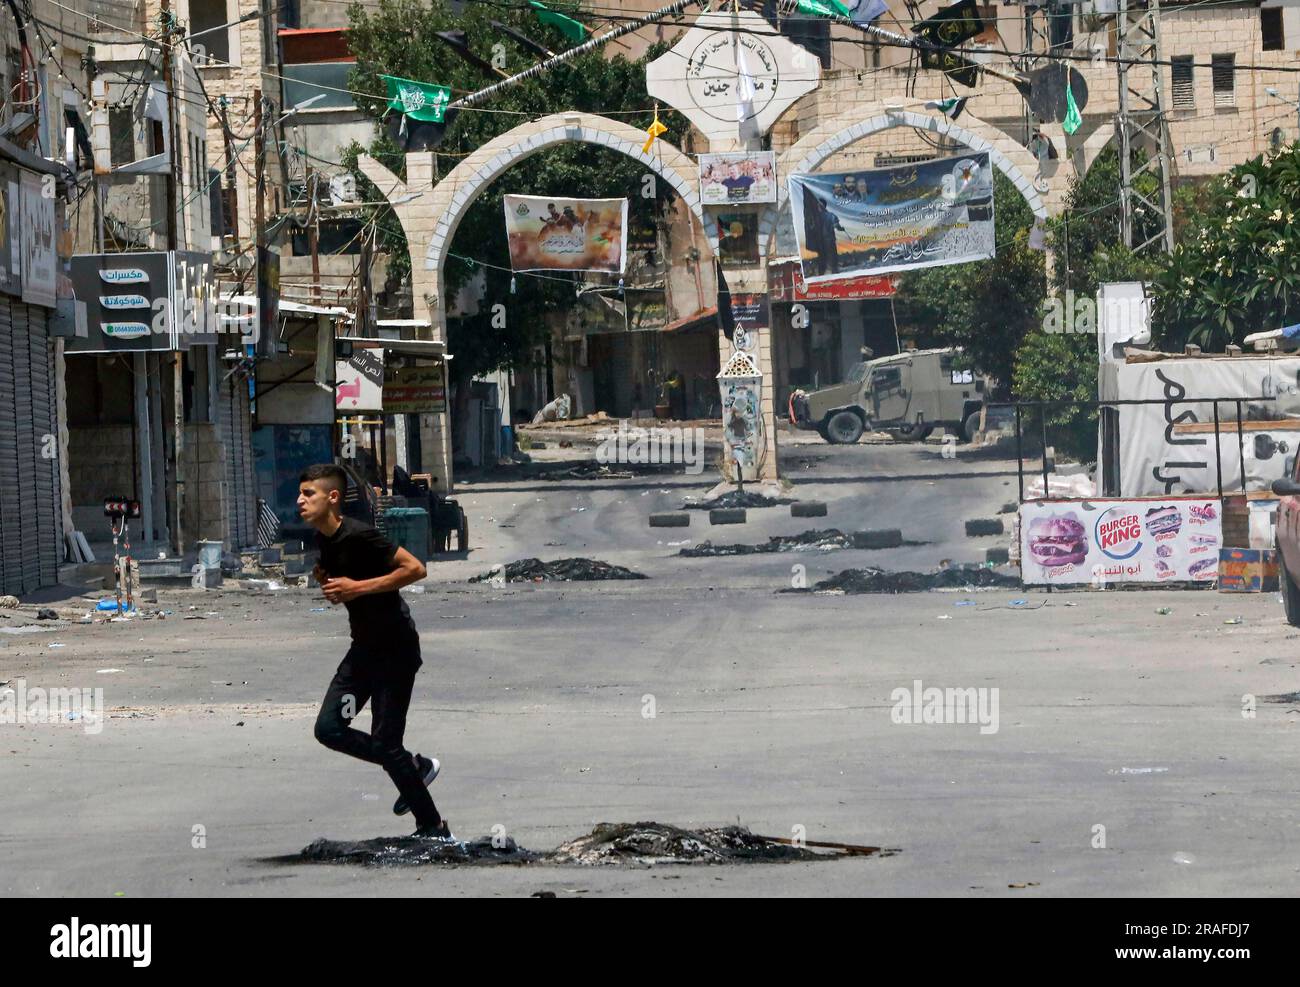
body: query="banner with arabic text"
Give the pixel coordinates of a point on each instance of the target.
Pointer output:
(894, 219)
(550, 234)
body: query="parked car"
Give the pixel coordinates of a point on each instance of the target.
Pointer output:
(1287, 540)
(907, 395)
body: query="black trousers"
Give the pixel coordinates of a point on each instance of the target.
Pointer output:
(385, 681)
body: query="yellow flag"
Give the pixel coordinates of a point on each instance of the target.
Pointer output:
(654, 130)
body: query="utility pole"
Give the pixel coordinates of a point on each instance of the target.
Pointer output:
(178, 375)
(1141, 123)
(313, 232)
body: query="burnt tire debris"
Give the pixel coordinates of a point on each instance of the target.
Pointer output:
(873, 580)
(735, 498)
(827, 540)
(559, 570)
(639, 844)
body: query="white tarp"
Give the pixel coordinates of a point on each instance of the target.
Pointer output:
(1120, 541)
(1158, 455)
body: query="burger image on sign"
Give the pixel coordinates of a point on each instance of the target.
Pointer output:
(1163, 522)
(1057, 540)
(1118, 532)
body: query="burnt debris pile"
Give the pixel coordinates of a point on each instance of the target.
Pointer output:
(405, 851)
(559, 570)
(828, 540)
(736, 498)
(872, 580)
(640, 844)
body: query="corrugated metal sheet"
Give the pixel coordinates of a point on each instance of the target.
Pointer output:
(241, 506)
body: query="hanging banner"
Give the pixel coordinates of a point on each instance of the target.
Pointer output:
(744, 176)
(550, 234)
(411, 390)
(359, 381)
(894, 219)
(36, 238)
(1120, 541)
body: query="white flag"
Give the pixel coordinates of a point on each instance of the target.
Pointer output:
(745, 90)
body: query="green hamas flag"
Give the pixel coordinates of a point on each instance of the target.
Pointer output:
(1073, 119)
(567, 26)
(814, 8)
(417, 100)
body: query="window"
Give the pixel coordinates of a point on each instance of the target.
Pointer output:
(208, 32)
(1184, 95)
(121, 135)
(888, 379)
(1270, 29)
(1223, 70)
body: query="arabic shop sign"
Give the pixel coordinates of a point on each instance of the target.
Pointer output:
(786, 284)
(731, 76)
(894, 219)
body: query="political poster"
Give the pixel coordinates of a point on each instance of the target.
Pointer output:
(737, 177)
(894, 219)
(1145, 540)
(551, 234)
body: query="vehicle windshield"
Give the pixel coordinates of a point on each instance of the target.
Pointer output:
(856, 373)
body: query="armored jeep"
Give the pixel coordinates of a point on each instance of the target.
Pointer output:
(906, 395)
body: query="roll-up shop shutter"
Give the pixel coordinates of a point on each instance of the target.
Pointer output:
(11, 528)
(48, 529)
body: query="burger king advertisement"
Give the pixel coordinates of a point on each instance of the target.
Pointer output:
(1136, 541)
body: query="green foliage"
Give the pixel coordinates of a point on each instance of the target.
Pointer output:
(987, 307)
(1235, 270)
(397, 37)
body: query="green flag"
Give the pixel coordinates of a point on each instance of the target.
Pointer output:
(1072, 119)
(839, 8)
(567, 26)
(814, 8)
(418, 100)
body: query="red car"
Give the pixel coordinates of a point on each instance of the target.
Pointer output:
(1288, 543)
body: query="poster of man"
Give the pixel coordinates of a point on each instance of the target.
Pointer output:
(894, 219)
(738, 177)
(546, 233)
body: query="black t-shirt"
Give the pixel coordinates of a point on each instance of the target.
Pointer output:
(380, 621)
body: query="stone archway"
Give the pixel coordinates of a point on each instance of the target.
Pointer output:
(1013, 160)
(430, 213)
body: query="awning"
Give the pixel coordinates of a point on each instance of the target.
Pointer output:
(705, 318)
(407, 347)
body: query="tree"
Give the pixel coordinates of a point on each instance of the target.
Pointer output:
(1236, 270)
(399, 37)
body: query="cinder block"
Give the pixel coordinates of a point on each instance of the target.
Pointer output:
(727, 515)
(984, 526)
(673, 519)
(808, 508)
(882, 538)
(296, 565)
(269, 556)
(998, 556)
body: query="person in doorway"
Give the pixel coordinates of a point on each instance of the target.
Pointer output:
(363, 570)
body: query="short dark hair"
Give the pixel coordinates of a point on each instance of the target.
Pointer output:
(335, 475)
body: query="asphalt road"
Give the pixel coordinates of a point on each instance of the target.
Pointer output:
(772, 709)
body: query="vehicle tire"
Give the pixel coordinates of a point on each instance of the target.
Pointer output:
(844, 428)
(911, 433)
(970, 426)
(1290, 593)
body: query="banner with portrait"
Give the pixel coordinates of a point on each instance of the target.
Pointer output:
(894, 219)
(551, 234)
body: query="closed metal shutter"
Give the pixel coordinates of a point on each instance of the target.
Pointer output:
(30, 533)
(48, 530)
(11, 554)
(241, 494)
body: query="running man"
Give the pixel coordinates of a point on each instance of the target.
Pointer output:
(363, 570)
